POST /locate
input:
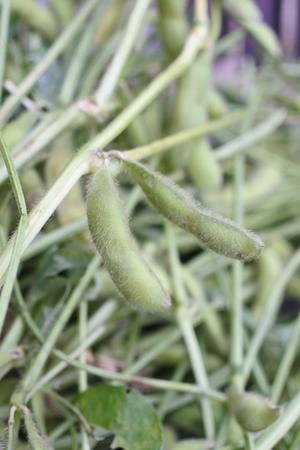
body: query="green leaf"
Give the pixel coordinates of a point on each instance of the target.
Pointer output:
(125, 413)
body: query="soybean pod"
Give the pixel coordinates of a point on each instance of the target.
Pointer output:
(112, 237)
(252, 411)
(61, 152)
(212, 230)
(173, 25)
(191, 110)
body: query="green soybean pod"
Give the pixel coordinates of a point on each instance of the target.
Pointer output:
(269, 268)
(190, 111)
(202, 166)
(61, 152)
(264, 36)
(212, 230)
(252, 411)
(112, 238)
(173, 25)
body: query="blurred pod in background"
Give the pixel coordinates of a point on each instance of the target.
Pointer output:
(60, 154)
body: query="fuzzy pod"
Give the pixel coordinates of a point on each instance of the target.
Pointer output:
(112, 237)
(212, 230)
(265, 37)
(252, 411)
(173, 25)
(60, 154)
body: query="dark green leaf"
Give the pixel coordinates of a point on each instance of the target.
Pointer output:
(127, 414)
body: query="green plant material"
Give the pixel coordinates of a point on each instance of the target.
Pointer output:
(36, 16)
(126, 414)
(265, 37)
(246, 10)
(216, 105)
(63, 10)
(36, 439)
(190, 110)
(269, 267)
(252, 411)
(80, 164)
(173, 25)
(72, 207)
(33, 187)
(79, 58)
(213, 231)
(202, 166)
(4, 34)
(53, 52)
(10, 359)
(15, 131)
(111, 235)
(109, 22)
(111, 77)
(194, 444)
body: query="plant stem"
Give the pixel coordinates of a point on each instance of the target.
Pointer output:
(83, 380)
(269, 314)
(80, 57)
(55, 50)
(270, 438)
(183, 136)
(80, 163)
(38, 363)
(251, 137)
(283, 371)
(112, 75)
(11, 441)
(4, 32)
(188, 332)
(151, 382)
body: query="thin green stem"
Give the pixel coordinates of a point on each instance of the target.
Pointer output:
(112, 75)
(269, 314)
(251, 137)
(11, 441)
(14, 179)
(151, 382)
(54, 51)
(83, 379)
(188, 332)
(27, 152)
(270, 438)
(57, 236)
(283, 371)
(184, 136)
(80, 56)
(38, 363)
(237, 306)
(4, 32)
(11, 275)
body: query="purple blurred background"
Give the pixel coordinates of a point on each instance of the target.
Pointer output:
(284, 17)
